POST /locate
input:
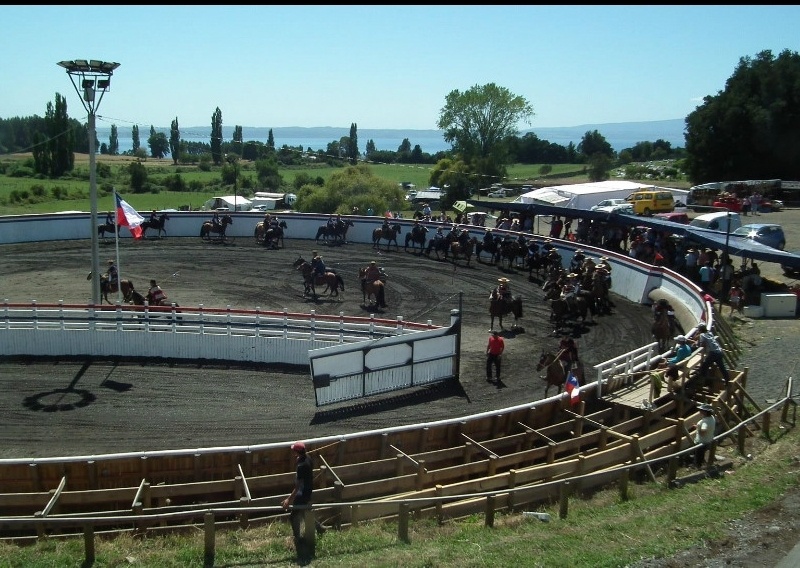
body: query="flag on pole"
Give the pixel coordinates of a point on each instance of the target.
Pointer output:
(573, 387)
(128, 217)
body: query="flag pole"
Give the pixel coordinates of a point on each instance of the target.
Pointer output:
(116, 239)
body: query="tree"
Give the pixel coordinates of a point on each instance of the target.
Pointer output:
(216, 137)
(594, 143)
(751, 129)
(370, 148)
(267, 173)
(477, 123)
(113, 141)
(354, 186)
(238, 139)
(599, 164)
(175, 141)
(352, 145)
(53, 152)
(271, 140)
(159, 145)
(135, 138)
(138, 174)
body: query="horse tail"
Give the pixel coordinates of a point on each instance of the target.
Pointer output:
(340, 281)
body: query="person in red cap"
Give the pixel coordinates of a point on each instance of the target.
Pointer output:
(301, 496)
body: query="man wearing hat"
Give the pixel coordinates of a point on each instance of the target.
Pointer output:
(502, 290)
(680, 352)
(374, 275)
(113, 276)
(704, 433)
(318, 267)
(301, 496)
(712, 353)
(576, 263)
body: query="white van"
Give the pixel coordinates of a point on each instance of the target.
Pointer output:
(723, 221)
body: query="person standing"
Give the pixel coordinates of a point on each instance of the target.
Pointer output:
(494, 356)
(704, 433)
(712, 353)
(301, 497)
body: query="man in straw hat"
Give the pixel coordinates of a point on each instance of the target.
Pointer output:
(502, 290)
(374, 275)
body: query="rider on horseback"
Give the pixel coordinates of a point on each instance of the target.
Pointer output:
(374, 275)
(318, 267)
(502, 291)
(568, 353)
(112, 274)
(662, 306)
(569, 290)
(215, 222)
(155, 295)
(153, 218)
(110, 220)
(576, 264)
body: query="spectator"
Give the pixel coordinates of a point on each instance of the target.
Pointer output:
(494, 354)
(301, 496)
(712, 353)
(704, 433)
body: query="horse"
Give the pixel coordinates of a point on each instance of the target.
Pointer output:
(375, 290)
(438, 245)
(498, 307)
(510, 250)
(491, 244)
(662, 331)
(417, 236)
(272, 236)
(390, 235)
(158, 223)
(107, 228)
(599, 291)
(338, 231)
(208, 227)
(107, 287)
(331, 280)
(560, 310)
(463, 248)
(554, 371)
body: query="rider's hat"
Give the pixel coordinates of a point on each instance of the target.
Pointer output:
(318, 257)
(372, 262)
(578, 251)
(572, 275)
(503, 280)
(110, 262)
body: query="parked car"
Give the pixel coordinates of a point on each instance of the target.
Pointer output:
(675, 217)
(770, 205)
(622, 208)
(729, 202)
(608, 203)
(648, 202)
(503, 192)
(769, 234)
(722, 221)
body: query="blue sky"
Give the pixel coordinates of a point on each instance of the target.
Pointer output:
(383, 66)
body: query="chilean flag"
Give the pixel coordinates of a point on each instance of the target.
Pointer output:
(128, 217)
(573, 387)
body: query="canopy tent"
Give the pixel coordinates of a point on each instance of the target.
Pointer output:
(738, 246)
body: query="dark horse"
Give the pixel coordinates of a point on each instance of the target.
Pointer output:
(332, 281)
(390, 235)
(208, 227)
(554, 371)
(561, 311)
(662, 331)
(107, 288)
(272, 236)
(417, 236)
(158, 224)
(337, 232)
(107, 228)
(498, 307)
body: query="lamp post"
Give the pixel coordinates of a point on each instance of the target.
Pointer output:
(94, 76)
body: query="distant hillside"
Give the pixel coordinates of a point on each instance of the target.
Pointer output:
(620, 135)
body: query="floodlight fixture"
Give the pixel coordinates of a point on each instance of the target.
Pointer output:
(93, 75)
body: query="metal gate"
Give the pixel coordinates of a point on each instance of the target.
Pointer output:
(357, 370)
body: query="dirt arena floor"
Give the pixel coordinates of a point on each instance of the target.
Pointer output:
(57, 408)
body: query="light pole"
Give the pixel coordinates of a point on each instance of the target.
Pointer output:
(94, 76)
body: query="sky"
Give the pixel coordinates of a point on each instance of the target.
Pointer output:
(382, 66)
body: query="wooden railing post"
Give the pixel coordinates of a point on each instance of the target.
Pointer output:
(402, 522)
(563, 500)
(209, 539)
(88, 544)
(490, 505)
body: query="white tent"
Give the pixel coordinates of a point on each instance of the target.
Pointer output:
(231, 202)
(586, 195)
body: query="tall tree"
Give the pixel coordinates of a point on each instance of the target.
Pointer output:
(751, 129)
(159, 145)
(238, 140)
(216, 137)
(175, 141)
(135, 138)
(271, 140)
(352, 146)
(60, 140)
(594, 143)
(113, 141)
(478, 121)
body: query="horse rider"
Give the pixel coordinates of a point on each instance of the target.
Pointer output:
(215, 221)
(317, 267)
(374, 275)
(153, 218)
(568, 353)
(576, 264)
(502, 291)
(331, 224)
(604, 264)
(110, 219)
(155, 295)
(113, 275)
(662, 306)
(488, 238)
(569, 290)
(385, 227)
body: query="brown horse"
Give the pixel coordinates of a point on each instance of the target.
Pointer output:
(208, 227)
(463, 249)
(662, 331)
(332, 281)
(107, 288)
(389, 235)
(554, 371)
(375, 290)
(498, 307)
